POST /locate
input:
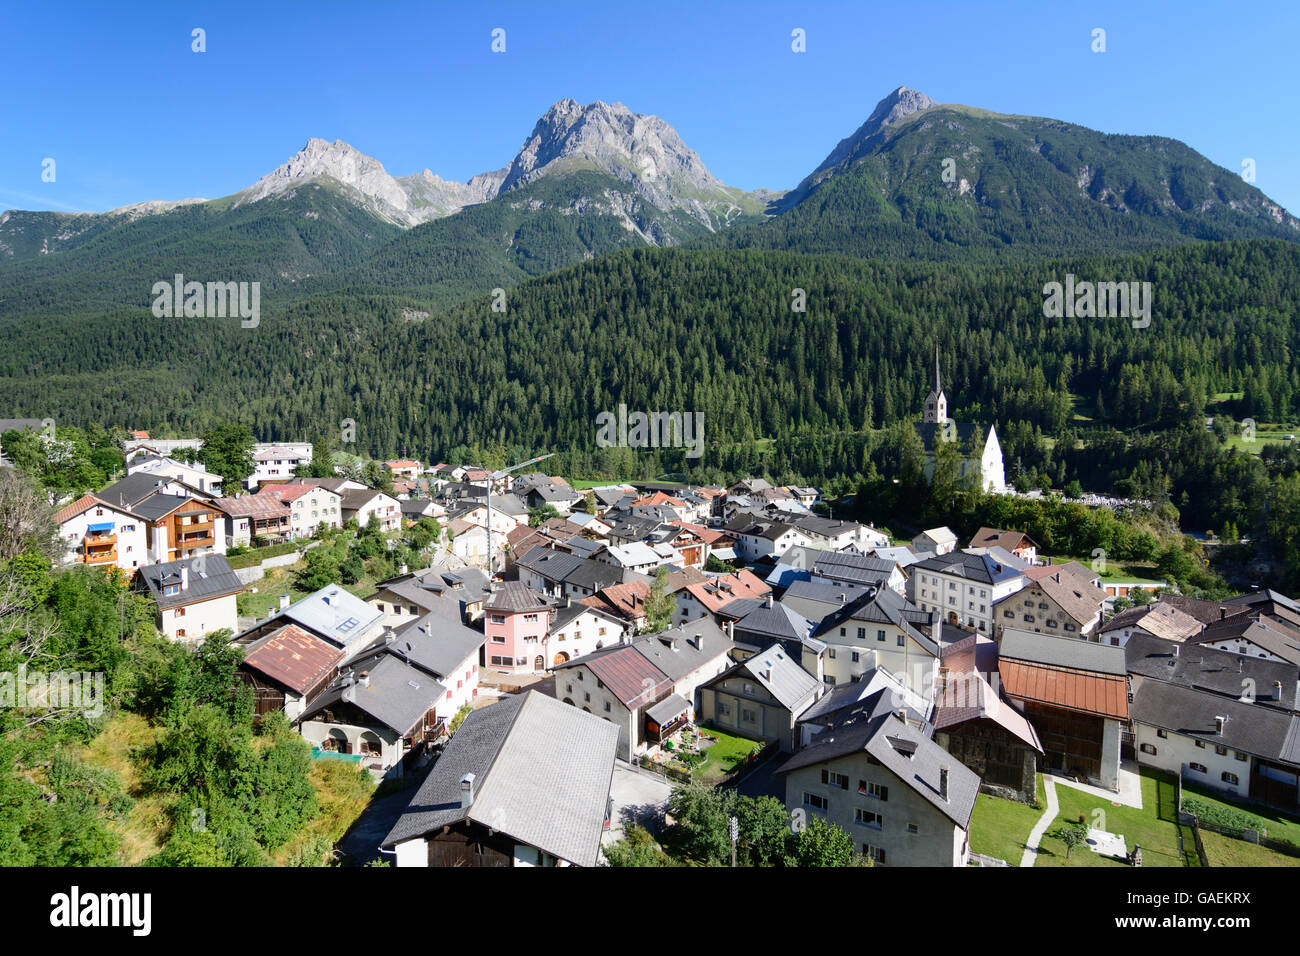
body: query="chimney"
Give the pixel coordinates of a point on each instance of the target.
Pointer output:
(185, 577)
(467, 791)
(1223, 613)
(767, 602)
(402, 569)
(1218, 724)
(699, 645)
(284, 601)
(1277, 690)
(943, 782)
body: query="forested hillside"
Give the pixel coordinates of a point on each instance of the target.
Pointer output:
(689, 330)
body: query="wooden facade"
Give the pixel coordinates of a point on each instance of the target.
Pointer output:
(1002, 760)
(1072, 742)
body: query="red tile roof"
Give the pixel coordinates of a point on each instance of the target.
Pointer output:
(69, 512)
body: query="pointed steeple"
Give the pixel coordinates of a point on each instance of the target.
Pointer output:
(936, 404)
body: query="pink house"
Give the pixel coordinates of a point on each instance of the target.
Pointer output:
(516, 620)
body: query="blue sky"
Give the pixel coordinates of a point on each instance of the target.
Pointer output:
(113, 93)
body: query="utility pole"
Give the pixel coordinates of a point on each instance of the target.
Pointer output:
(496, 475)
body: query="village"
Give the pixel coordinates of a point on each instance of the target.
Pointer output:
(539, 662)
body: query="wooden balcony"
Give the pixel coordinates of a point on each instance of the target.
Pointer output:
(102, 556)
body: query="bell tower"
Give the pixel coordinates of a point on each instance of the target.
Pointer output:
(936, 404)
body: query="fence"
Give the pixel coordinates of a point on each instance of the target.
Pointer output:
(979, 859)
(1245, 834)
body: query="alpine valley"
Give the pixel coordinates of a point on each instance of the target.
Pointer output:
(623, 271)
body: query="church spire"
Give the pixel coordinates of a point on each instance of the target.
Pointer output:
(936, 404)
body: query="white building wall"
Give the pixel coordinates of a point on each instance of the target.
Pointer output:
(1175, 750)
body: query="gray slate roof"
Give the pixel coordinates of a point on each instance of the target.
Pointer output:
(543, 772)
(436, 644)
(1252, 728)
(210, 575)
(912, 756)
(1084, 655)
(780, 675)
(1208, 669)
(397, 696)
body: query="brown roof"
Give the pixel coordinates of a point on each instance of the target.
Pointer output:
(998, 538)
(624, 600)
(293, 657)
(1161, 619)
(1069, 688)
(68, 512)
(248, 506)
(726, 588)
(1207, 612)
(629, 675)
(1070, 586)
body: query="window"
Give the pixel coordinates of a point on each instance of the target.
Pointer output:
(831, 653)
(1239, 755)
(900, 640)
(498, 639)
(747, 715)
(1221, 751)
(862, 633)
(877, 855)
(1198, 767)
(1162, 734)
(1148, 749)
(856, 657)
(498, 618)
(1200, 744)
(1008, 613)
(833, 779)
(586, 698)
(723, 709)
(876, 790)
(607, 707)
(868, 818)
(1229, 778)
(816, 801)
(912, 829)
(880, 635)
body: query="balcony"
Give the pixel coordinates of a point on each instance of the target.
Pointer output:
(103, 556)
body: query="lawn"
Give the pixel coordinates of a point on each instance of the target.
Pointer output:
(723, 756)
(1274, 823)
(999, 828)
(1225, 851)
(1154, 827)
(1116, 571)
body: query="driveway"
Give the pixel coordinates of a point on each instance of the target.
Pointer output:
(639, 797)
(360, 844)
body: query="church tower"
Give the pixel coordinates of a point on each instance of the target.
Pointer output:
(936, 404)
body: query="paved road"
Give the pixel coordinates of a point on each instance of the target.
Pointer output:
(762, 782)
(639, 797)
(360, 844)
